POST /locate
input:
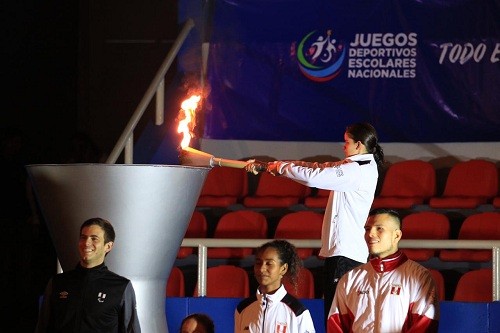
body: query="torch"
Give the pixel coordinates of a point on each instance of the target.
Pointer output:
(193, 157)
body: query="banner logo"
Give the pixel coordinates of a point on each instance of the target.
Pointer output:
(383, 55)
(320, 56)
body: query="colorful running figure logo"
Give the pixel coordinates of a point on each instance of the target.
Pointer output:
(320, 56)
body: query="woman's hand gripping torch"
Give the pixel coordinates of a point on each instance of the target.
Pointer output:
(193, 157)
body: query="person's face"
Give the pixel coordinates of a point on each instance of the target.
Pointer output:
(92, 247)
(350, 146)
(192, 326)
(268, 270)
(382, 235)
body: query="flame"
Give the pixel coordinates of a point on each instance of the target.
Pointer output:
(187, 118)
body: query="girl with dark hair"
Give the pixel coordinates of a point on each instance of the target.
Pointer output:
(272, 308)
(352, 183)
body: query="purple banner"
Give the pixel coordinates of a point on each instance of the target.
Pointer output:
(302, 70)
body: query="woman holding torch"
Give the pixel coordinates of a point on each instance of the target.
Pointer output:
(352, 183)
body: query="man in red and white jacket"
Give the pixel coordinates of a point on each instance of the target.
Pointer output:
(390, 293)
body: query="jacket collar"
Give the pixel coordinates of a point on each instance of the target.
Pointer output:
(80, 268)
(388, 263)
(361, 157)
(271, 298)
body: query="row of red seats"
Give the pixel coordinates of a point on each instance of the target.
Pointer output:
(233, 281)
(251, 224)
(405, 184)
(469, 184)
(306, 224)
(434, 225)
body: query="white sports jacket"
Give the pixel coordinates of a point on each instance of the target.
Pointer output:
(276, 313)
(394, 294)
(353, 189)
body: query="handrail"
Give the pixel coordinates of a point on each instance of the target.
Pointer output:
(203, 243)
(156, 87)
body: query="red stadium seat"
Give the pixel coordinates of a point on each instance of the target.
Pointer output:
(475, 286)
(305, 284)
(302, 224)
(496, 202)
(424, 225)
(175, 283)
(319, 200)
(479, 226)
(469, 184)
(440, 285)
(223, 187)
(238, 224)
(406, 184)
(276, 192)
(197, 228)
(226, 281)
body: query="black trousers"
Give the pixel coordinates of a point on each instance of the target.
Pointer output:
(334, 268)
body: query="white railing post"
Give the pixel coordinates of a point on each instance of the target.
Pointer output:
(202, 270)
(496, 273)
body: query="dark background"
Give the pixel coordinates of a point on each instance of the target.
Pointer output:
(81, 67)
(73, 73)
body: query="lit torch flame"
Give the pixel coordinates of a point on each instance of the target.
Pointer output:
(194, 157)
(187, 124)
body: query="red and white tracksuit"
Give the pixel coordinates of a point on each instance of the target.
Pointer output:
(387, 295)
(276, 313)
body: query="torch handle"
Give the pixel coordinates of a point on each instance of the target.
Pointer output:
(194, 157)
(222, 162)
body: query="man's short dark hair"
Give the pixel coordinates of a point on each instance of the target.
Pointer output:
(391, 212)
(109, 231)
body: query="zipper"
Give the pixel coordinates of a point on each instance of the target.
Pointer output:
(264, 304)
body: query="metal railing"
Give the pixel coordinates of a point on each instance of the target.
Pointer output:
(204, 243)
(157, 86)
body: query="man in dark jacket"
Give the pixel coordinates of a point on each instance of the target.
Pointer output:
(90, 298)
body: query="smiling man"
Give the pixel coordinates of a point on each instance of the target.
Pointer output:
(90, 298)
(390, 293)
